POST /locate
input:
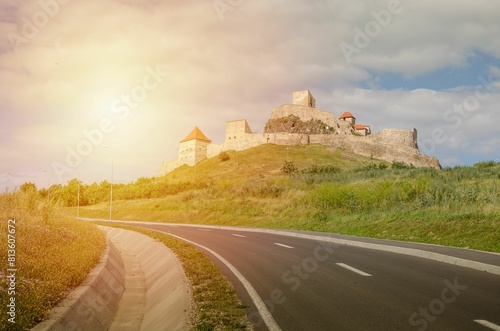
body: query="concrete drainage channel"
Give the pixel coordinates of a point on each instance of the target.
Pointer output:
(139, 284)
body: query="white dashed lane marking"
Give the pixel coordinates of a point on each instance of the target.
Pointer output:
(282, 245)
(348, 267)
(488, 325)
(239, 235)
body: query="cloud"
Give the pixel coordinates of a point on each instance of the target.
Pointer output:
(425, 36)
(81, 58)
(448, 123)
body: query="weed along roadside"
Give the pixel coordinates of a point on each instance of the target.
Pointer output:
(51, 256)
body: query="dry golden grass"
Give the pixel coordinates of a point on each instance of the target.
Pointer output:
(54, 254)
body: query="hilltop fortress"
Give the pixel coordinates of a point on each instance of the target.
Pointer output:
(302, 123)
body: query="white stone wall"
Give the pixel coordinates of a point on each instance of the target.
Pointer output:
(303, 98)
(192, 151)
(242, 142)
(234, 129)
(396, 137)
(378, 149)
(343, 128)
(236, 133)
(168, 166)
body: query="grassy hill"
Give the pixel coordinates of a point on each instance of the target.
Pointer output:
(323, 189)
(267, 160)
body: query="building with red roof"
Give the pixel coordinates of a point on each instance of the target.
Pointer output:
(347, 117)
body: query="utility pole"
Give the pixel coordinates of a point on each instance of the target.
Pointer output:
(78, 199)
(111, 188)
(48, 187)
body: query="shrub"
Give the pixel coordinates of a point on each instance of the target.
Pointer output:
(27, 187)
(270, 191)
(289, 168)
(486, 164)
(370, 166)
(322, 169)
(224, 156)
(383, 166)
(400, 165)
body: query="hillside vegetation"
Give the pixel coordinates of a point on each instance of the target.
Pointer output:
(322, 189)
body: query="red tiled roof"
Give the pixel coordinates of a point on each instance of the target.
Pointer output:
(196, 134)
(346, 115)
(359, 126)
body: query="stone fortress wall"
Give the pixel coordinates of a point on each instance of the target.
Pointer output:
(305, 113)
(388, 145)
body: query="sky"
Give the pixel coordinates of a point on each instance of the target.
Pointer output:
(138, 75)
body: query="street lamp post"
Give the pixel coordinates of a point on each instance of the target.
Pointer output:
(111, 189)
(48, 181)
(78, 192)
(78, 198)
(11, 182)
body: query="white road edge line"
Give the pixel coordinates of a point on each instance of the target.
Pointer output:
(238, 235)
(348, 267)
(488, 324)
(261, 306)
(282, 245)
(490, 268)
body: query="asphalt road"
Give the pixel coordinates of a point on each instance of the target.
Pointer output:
(313, 285)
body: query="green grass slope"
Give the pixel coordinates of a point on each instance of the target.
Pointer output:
(325, 189)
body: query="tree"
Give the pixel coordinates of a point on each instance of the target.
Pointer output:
(28, 187)
(289, 168)
(96, 193)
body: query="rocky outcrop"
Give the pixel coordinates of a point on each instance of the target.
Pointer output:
(293, 124)
(304, 113)
(372, 146)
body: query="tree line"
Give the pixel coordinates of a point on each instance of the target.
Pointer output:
(76, 192)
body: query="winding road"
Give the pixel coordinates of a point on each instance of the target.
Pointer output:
(293, 280)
